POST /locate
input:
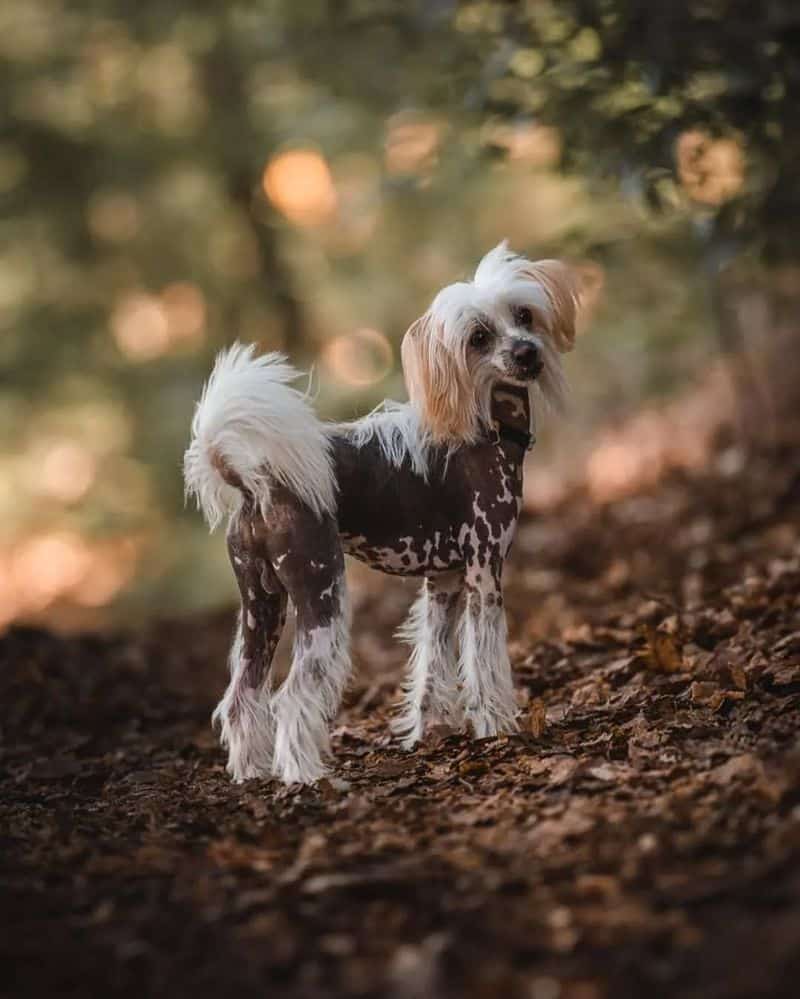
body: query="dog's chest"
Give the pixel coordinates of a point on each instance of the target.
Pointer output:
(487, 533)
(466, 512)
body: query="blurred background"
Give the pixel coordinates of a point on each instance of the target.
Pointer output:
(176, 175)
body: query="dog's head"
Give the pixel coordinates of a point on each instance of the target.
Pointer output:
(510, 323)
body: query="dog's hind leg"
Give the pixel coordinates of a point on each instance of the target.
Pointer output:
(245, 716)
(431, 688)
(308, 559)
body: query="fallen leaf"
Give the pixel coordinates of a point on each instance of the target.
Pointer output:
(537, 718)
(703, 691)
(662, 652)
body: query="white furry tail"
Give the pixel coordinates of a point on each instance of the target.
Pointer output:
(250, 429)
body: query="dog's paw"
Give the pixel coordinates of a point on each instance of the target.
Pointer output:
(407, 729)
(488, 724)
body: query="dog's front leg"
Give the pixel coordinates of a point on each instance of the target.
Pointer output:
(431, 692)
(484, 669)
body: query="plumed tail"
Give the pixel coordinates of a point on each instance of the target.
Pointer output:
(251, 429)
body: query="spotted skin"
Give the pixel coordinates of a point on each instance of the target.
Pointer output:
(290, 553)
(263, 601)
(466, 511)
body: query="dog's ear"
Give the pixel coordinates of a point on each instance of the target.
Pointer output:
(561, 287)
(438, 383)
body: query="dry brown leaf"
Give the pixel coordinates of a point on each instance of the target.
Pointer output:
(230, 852)
(594, 694)
(471, 768)
(726, 697)
(574, 821)
(537, 718)
(580, 634)
(563, 767)
(745, 765)
(663, 653)
(783, 675)
(738, 676)
(704, 691)
(607, 772)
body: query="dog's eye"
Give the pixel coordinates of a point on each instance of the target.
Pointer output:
(523, 317)
(479, 337)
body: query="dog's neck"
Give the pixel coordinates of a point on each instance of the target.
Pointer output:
(511, 414)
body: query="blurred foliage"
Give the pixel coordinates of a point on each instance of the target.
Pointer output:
(306, 175)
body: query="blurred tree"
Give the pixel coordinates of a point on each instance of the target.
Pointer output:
(642, 92)
(174, 175)
(693, 103)
(691, 106)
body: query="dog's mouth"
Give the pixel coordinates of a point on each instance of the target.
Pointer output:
(525, 373)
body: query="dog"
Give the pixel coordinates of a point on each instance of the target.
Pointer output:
(431, 488)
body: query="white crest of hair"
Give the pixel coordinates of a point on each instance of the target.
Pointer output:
(503, 274)
(251, 421)
(245, 719)
(396, 428)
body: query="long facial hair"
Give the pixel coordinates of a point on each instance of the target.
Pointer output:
(452, 398)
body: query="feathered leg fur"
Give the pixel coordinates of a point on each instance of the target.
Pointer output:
(244, 714)
(431, 688)
(484, 667)
(307, 702)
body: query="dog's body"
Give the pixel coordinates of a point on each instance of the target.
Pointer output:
(407, 491)
(399, 521)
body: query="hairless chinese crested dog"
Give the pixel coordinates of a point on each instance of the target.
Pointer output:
(431, 488)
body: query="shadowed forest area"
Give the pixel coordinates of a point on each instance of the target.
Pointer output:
(306, 176)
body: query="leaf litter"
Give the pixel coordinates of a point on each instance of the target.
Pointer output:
(641, 835)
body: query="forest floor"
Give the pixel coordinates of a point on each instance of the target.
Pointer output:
(640, 837)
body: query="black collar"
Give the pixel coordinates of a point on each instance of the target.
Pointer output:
(505, 432)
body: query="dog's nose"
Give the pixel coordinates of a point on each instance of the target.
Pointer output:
(526, 355)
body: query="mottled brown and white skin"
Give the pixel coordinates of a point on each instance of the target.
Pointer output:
(431, 488)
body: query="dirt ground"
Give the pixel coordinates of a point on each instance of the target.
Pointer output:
(641, 837)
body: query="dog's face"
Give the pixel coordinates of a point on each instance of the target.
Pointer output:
(509, 324)
(505, 344)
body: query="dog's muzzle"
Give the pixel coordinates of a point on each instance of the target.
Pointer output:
(527, 359)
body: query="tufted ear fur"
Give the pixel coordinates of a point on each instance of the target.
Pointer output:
(561, 287)
(438, 383)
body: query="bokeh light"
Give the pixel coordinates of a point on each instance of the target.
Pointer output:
(185, 308)
(62, 566)
(66, 471)
(711, 170)
(114, 216)
(141, 327)
(299, 184)
(46, 566)
(146, 326)
(655, 441)
(412, 143)
(359, 359)
(527, 143)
